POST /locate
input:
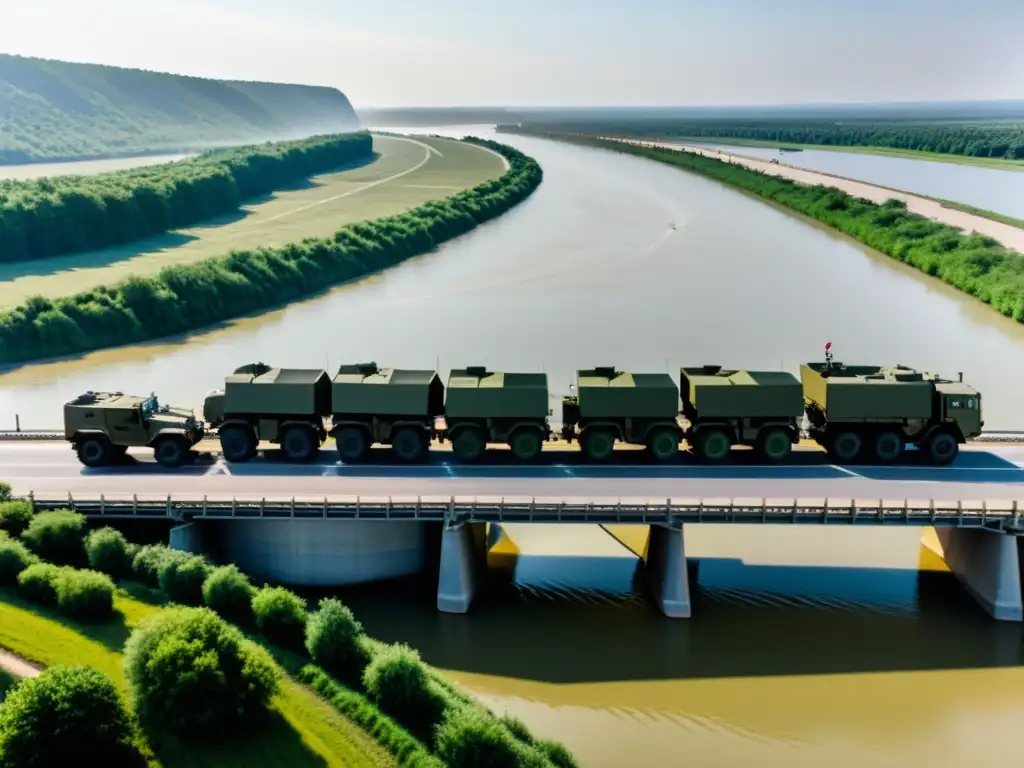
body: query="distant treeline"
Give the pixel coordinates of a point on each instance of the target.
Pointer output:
(69, 214)
(187, 297)
(975, 264)
(973, 139)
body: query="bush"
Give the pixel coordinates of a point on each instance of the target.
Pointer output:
(58, 537)
(398, 683)
(195, 675)
(15, 516)
(471, 738)
(556, 753)
(280, 617)
(333, 640)
(5, 491)
(14, 558)
(107, 550)
(66, 716)
(181, 576)
(38, 582)
(85, 595)
(229, 592)
(146, 563)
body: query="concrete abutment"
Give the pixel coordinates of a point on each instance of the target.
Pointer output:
(669, 581)
(988, 565)
(463, 559)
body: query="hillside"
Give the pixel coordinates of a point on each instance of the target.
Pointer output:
(56, 110)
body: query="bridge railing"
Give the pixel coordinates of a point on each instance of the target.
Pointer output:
(454, 510)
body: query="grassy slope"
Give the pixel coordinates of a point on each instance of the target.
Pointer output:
(304, 731)
(62, 110)
(317, 208)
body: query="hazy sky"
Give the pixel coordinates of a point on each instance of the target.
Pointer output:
(550, 52)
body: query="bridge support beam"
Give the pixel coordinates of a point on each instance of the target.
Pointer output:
(987, 563)
(188, 537)
(665, 558)
(463, 558)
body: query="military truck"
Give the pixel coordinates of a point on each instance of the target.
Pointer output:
(283, 406)
(390, 406)
(760, 409)
(610, 405)
(867, 412)
(102, 426)
(484, 407)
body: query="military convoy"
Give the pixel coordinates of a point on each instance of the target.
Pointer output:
(857, 413)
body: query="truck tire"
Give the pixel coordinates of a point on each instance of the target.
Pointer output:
(663, 444)
(351, 444)
(171, 451)
(468, 444)
(713, 444)
(94, 451)
(409, 445)
(846, 447)
(598, 444)
(300, 444)
(889, 446)
(774, 444)
(238, 444)
(941, 449)
(526, 444)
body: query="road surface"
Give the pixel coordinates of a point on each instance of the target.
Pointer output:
(981, 472)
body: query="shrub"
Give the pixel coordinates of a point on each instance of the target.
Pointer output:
(15, 516)
(398, 683)
(333, 640)
(146, 563)
(86, 595)
(58, 537)
(107, 550)
(195, 675)
(280, 616)
(66, 716)
(38, 582)
(228, 591)
(181, 576)
(556, 753)
(5, 491)
(14, 558)
(471, 738)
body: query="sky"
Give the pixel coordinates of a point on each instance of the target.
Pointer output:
(385, 53)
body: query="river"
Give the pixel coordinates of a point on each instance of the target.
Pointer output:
(807, 647)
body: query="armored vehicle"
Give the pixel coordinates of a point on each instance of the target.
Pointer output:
(390, 406)
(285, 406)
(761, 409)
(871, 412)
(610, 405)
(484, 407)
(102, 426)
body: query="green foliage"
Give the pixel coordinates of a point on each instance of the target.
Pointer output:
(469, 737)
(229, 592)
(333, 640)
(56, 215)
(15, 516)
(85, 595)
(15, 557)
(107, 550)
(195, 675)
(66, 716)
(146, 563)
(38, 582)
(181, 576)
(5, 491)
(58, 537)
(189, 296)
(398, 683)
(280, 617)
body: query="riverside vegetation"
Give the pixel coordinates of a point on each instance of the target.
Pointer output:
(186, 297)
(202, 673)
(69, 214)
(974, 264)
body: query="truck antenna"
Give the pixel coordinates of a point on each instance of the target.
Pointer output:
(828, 355)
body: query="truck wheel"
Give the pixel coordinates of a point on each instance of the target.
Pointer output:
(663, 444)
(846, 447)
(409, 444)
(598, 444)
(299, 444)
(171, 451)
(525, 444)
(773, 444)
(889, 446)
(941, 449)
(351, 444)
(94, 451)
(713, 444)
(238, 444)
(468, 444)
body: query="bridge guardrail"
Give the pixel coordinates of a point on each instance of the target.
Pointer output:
(452, 511)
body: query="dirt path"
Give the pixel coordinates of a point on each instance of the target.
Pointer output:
(1011, 237)
(16, 666)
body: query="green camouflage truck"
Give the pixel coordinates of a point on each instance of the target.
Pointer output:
(102, 426)
(389, 406)
(872, 412)
(283, 406)
(484, 407)
(761, 409)
(610, 405)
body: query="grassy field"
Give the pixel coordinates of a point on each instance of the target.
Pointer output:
(407, 173)
(305, 731)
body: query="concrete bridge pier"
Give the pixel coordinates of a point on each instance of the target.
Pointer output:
(463, 559)
(988, 564)
(665, 558)
(188, 537)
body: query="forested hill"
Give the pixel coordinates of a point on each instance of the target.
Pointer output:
(56, 110)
